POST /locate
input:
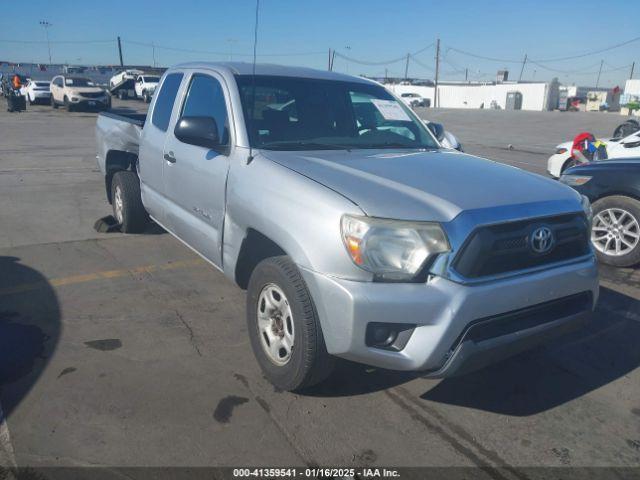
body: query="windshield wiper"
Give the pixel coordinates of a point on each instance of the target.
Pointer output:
(303, 145)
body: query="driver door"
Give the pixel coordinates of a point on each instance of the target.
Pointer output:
(195, 177)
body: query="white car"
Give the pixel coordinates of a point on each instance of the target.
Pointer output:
(124, 75)
(145, 86)
(37, 91)
(627, 147)
(414, 100)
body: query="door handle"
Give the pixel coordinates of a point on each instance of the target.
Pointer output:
(169, 157)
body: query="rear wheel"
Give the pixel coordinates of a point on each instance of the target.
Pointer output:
(127, 202)
(284, 327)
(53, 103)
(615, 233)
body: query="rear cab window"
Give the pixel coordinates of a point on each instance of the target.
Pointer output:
(165, 99)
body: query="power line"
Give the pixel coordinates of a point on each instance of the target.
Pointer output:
(56, 41)
(225, 54)
(548, 60)
(385, 62)
(593, 52)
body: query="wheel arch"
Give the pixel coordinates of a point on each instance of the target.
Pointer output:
(615, 193)
(255, 248)
(115, 161)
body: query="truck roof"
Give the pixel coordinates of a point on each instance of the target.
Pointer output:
(245, 68)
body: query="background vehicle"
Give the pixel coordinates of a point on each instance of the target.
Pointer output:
(627, 147)
(613, 187)
(353, 232)
(145, 86)
(120, 77)
(78, 92)
(37, 91)
(415, 100)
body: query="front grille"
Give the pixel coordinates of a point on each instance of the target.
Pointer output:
(92, 94)
(504, 248)
(522, 319)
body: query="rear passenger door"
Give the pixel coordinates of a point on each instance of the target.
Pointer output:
(195, 177)
(154, 135)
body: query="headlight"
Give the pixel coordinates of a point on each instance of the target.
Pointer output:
(560, 150)
(574, 180)
(392, 249)
(586, 206)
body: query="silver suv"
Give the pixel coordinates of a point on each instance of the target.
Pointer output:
(354, 232)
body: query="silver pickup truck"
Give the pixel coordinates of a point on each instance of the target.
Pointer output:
(355, 234)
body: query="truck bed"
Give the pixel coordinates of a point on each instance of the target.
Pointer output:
(118, 132)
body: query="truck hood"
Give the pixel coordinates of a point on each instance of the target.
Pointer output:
(423, 185)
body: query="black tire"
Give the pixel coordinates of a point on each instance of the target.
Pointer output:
(309, 363)
(53, 103)
(67, 104)
(134, 216)
(631, 206)
(145, 97)
(31, 102)
(567, 164)
(627, 128)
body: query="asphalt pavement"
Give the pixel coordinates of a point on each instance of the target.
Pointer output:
(129, 350)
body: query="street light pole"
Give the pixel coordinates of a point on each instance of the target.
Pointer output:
(46, 26)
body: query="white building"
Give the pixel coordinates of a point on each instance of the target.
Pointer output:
(534, 96)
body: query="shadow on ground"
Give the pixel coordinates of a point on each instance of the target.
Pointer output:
(570, 367)
(350, 379)
(29, 329)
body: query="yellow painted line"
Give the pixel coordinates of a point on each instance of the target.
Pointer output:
(106, 274)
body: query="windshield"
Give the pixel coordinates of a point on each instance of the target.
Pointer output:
(292, 113)
(78, 82)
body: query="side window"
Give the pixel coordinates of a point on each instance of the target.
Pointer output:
(164, 102)
(205, 98)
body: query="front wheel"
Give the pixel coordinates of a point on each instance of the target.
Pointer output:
(615, 233)
(53, 103)
(284, 327)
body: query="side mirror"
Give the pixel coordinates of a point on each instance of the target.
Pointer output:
(199, 131)
(437, 129)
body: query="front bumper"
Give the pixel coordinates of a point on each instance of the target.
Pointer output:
(89, 103)
(442, 311)
(40, 95)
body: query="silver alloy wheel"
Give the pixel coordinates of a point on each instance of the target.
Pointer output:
(118, 204)
(275, 324)
(615, 232)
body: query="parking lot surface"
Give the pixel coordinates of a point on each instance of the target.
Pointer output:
(125, 350)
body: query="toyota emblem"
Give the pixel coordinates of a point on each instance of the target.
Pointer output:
(542, 240)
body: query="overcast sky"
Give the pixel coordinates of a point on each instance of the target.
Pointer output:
(301, 32)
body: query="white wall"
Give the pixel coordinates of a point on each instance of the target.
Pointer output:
(632, 87)
(472, 96)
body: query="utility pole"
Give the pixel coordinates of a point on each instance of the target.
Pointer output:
(120, 52)
(435, 90)
(386, 74)
(524, 62)
(599, 72)
(329, 61)
(46, 26)
(406, 68)
(333, 57)
(466, 74)
(153, 51)
(633, 66)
